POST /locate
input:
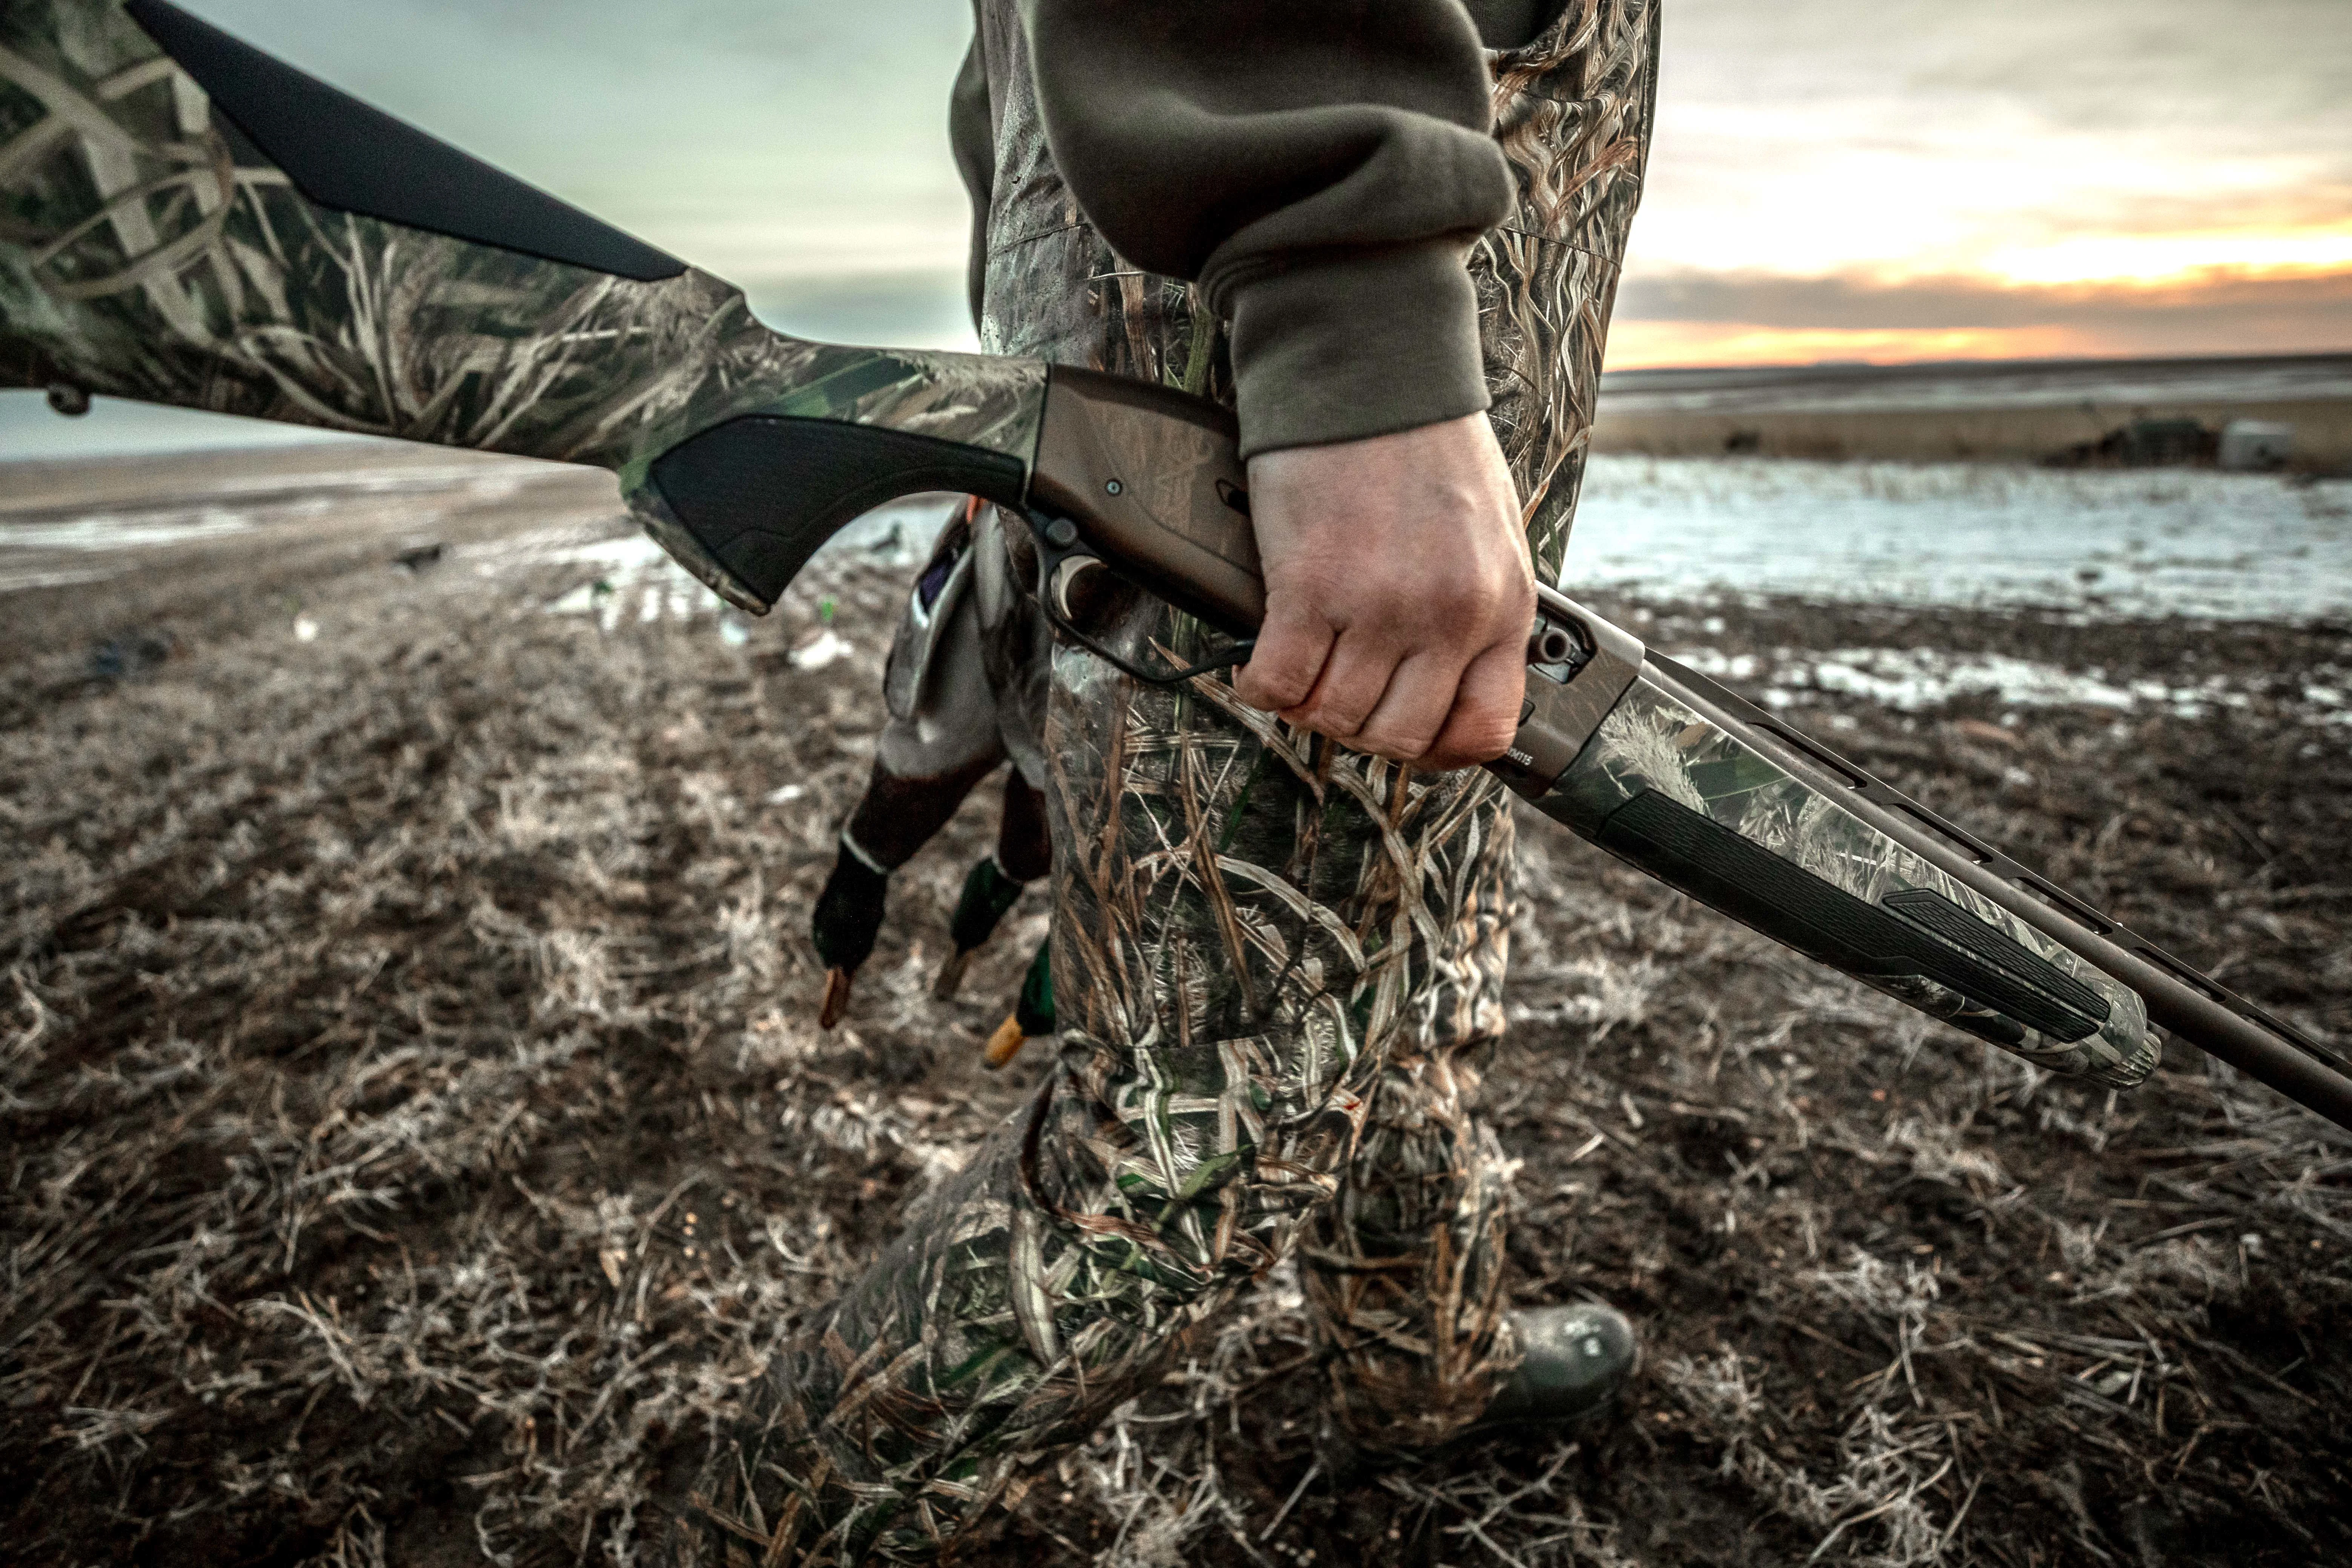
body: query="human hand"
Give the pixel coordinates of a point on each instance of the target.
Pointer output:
(1398, 594)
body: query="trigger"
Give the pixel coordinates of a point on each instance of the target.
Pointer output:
(1077, 585)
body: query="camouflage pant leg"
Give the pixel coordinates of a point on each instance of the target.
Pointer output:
(1251, 926)
(1274, 959)
(1404, 1271)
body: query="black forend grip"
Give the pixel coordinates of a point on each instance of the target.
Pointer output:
(1919, 932)
(761, 493)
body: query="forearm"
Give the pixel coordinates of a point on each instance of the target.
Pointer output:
(1319, 167)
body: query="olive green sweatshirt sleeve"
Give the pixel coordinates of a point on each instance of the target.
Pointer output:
(1319, 167)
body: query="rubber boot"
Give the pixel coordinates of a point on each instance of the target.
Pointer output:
(1576, 1361)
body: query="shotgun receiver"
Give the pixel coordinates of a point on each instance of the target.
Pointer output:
(185, 220)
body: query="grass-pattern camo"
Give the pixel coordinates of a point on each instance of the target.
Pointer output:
(1651, 741)
(1277, 965)
(141, 256)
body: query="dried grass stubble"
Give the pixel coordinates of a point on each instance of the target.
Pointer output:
(400, 1031)
(416, 1128)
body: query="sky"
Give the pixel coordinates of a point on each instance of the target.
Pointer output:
(1920, 179)
(1876, 180)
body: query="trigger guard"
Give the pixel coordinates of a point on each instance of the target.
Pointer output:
(1063, 563)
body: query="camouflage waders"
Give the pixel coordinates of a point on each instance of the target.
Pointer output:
(1276, 964)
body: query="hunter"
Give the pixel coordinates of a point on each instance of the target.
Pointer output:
(1388, 233)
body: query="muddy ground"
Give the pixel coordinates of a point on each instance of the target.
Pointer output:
(414, 1116)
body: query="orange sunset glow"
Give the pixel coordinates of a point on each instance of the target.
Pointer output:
(1892, 180)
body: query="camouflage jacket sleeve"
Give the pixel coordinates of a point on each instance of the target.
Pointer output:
(1319, 167)
(974, 141)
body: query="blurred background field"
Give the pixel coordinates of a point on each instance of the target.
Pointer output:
(417, 1127)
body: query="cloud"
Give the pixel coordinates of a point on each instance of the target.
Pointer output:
(745, 135)
(2187, 70)
(1828, 176)
(1695, 318)
(1817, 135)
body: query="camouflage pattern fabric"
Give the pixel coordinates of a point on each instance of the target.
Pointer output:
(1276, 964)
(1654, 742)
(145, 253)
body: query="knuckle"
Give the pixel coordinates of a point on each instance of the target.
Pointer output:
(1342, 720)
(1317, 726)
(1395, 745)
(1272, 688)
(1261, 696)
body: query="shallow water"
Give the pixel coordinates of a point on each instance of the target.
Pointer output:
(2104, 543)
(1915, 679)
(2098, 543)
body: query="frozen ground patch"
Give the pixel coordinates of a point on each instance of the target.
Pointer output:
(1912, 679)
(52, 546)
(1982, 535)
(32, 553)
(108, 530)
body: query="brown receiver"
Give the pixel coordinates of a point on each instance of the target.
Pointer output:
(1154, 479)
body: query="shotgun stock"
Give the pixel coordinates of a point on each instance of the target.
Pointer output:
(185, 220)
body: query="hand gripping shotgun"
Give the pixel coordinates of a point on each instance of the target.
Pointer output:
(185, 220)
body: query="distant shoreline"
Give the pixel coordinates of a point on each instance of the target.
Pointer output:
(1986, 383)
(1929, 411)
(1968, 410)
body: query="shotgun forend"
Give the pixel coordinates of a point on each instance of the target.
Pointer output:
(185, 220)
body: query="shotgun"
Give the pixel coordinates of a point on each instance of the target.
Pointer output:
(185, 220)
